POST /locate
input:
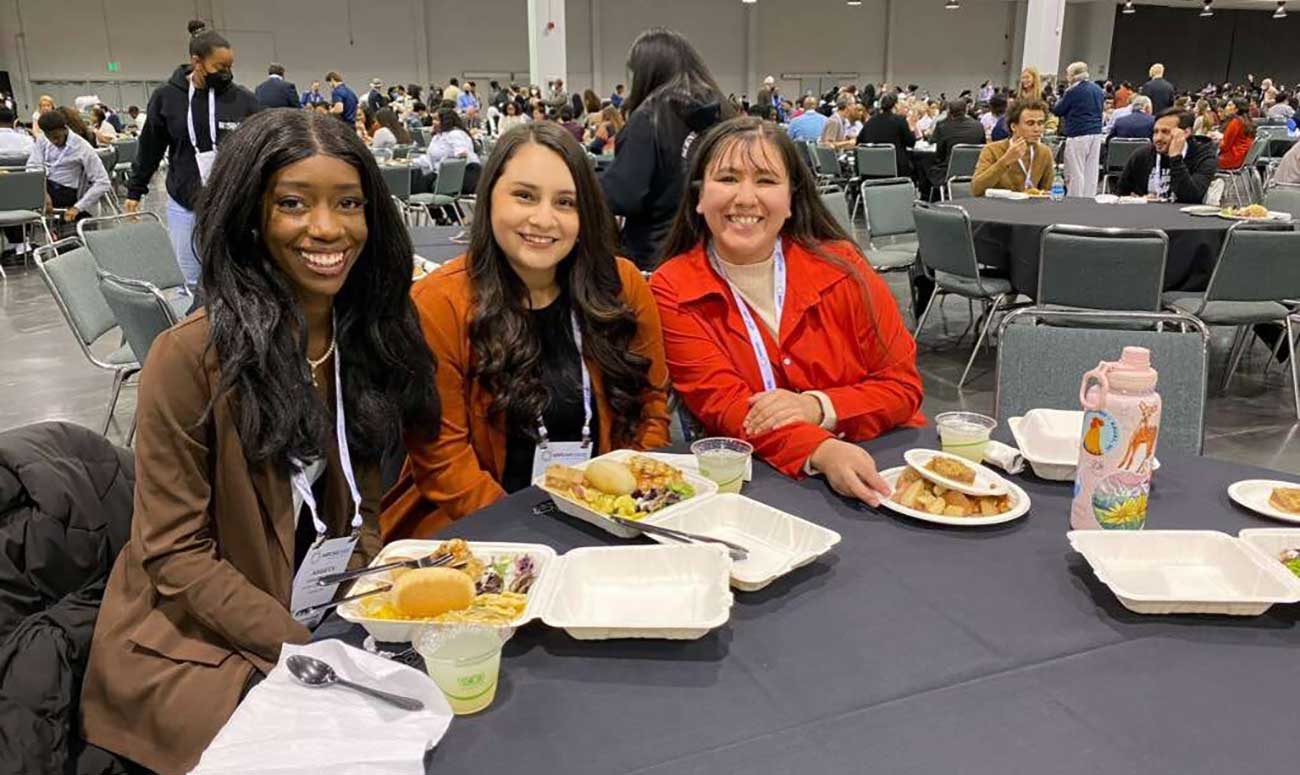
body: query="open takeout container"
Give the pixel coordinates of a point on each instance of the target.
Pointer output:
(1049, 441)
(593, 593)
(577, 509)
(777, 542)
(1188, 571)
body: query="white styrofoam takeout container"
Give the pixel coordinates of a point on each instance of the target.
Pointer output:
(1049, 441)
(1186, 571)
(1272, 541)
(777, 542)
(574, 508)
(593, 593)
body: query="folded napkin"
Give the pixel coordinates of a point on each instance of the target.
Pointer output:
(285, 728)
(1005, 457)
(1005, 193)
(688, 463)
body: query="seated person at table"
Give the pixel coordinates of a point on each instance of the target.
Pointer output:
(538, 286)
(450, 140)
(957, 129)
(75, 178)
(776, 329)
(1138, 124)
(1177, 165)
(307, 277)
(888, 125)
(387, 130)
(1021, 162)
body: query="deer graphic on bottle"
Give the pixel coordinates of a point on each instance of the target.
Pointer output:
(1120, 428)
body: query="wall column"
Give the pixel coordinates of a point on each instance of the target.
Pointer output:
(1043, 22)
(547, 58)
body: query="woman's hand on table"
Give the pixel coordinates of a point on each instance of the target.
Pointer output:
(851, 471)
(774, 409)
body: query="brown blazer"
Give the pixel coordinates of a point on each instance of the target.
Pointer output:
(198, 599)
(460, 472)
(995, 171)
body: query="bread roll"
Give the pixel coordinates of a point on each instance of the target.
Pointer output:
(428, 592)
(610, 477)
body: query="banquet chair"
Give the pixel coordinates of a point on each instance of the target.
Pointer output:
(402, 151)
(1243, 183)
(891, 229)
(828, 166)
(1118, 151)
(1040, 366)
(1284, 198)
(1086, 267)
(22, 201)
(72, 280)
(960, 187)
(136, 246)
(142, 311)
(127, 150)
(838, 204)
(872, 161)
(398, 179)
(1256, 272)
(947, 248)
(446, 188)
(962, 161)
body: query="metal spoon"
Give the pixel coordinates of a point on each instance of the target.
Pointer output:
(313, 672)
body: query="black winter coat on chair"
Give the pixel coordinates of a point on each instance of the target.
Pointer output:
(65, 512)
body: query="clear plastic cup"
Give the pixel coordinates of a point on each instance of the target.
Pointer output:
(965, 434)
(465, 663)
(724, 461)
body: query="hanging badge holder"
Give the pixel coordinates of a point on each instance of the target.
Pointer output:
(204, 159)
(327, 555)
(567, 453)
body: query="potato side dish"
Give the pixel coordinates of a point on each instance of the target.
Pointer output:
(914, 492)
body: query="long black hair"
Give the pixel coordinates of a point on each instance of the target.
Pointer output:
(257, 329)
(667, 70)
(449, 119)
(507, 355)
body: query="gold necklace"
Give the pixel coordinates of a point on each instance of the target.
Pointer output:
(316, 363)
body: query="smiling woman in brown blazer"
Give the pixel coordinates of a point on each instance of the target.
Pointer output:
(307, 275)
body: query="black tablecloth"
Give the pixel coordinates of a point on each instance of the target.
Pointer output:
(1008, 235)
(434, 242)
(910, 648)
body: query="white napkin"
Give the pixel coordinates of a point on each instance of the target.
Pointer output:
(1005, 457)
(285, 728)
(688, 463)
(1005, 193)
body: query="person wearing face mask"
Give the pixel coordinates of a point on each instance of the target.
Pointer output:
(1177, 166)
(261, 421)
(548, 346)
(187, 118)
(776, 329)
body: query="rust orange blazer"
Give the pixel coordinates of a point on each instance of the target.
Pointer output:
(860, 356)
(460, 472)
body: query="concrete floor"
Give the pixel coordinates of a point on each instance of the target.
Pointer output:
(43, 375)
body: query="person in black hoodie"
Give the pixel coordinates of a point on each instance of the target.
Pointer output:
(1175, 166)
(197, 91)
(674, 99)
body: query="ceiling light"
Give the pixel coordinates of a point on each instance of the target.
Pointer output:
(1280, 13)
(1207, 10)
(749, 2)
(855, 2)
(1128, 7)
(952, 5)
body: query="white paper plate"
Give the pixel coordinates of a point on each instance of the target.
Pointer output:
(1006, 193)
(777, 542)
(1185, 571)
(986, 482)
(1017, 511)
(1254, 494)
(1273, 217)
(1200, 210)
(573, 508)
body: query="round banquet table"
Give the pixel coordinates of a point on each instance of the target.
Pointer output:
(435, 242)
(1008, 235)
(910, 647)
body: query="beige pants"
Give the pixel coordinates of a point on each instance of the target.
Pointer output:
(1082, 165)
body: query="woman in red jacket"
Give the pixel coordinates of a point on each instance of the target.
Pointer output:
(1238, 134)
(775, 328)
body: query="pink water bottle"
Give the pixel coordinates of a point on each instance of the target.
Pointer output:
(1121, 421)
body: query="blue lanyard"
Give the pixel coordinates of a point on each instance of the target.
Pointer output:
(751, 328)
(586, 391)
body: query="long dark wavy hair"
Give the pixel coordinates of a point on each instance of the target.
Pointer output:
(507, 355)
(257, 328)
(668, 72)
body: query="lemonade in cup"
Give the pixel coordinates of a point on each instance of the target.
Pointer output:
(723, 461)
(465, 663)
(965, 434)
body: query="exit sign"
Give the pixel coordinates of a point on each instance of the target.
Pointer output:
(113, 67)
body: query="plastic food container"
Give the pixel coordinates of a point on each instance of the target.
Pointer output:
(777, 542)
(678, 592)
(574, 508)
(1049, 441)
(1187, 571)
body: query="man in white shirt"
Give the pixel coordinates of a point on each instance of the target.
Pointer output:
(13, 142)
(75, 178)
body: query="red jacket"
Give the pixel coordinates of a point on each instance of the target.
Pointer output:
(863, 359)
(1236, 144)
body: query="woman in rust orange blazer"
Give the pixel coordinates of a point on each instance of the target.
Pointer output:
(506, 321)
(776, 328)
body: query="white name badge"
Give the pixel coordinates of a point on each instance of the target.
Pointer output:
(325, 557)
(564, 453)
(205, 160)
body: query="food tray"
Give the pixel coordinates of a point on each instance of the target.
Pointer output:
(777, 542)
(1185, 571)
(703, 489)
(1019, 510)
(677, 593)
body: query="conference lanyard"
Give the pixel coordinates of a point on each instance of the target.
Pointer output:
(1025, 169)
(568, 453)
(212, 117)
(751, 328)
